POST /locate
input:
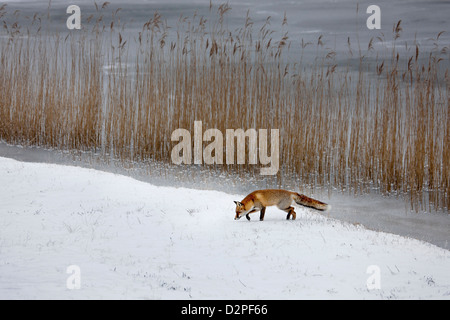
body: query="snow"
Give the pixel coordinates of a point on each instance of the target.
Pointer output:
(134, 240)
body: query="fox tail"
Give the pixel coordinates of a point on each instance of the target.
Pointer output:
(310, 202)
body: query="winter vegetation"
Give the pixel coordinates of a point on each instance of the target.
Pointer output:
(381, 124)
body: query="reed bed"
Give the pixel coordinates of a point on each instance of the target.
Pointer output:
(382, 127)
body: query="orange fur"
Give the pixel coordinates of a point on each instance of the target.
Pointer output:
(260, 199)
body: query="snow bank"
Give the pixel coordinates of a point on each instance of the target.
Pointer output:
(134, 240)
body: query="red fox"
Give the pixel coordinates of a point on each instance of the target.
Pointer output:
(260, 199)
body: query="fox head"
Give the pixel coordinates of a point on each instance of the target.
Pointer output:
(240, 210)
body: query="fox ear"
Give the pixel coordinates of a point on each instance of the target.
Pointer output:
(237, 202)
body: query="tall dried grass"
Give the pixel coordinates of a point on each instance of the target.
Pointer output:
(383, 127)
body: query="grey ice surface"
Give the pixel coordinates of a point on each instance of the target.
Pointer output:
(337, 21)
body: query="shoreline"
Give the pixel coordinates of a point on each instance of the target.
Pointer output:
(375, 212)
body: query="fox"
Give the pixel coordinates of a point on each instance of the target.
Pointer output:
(260, 199)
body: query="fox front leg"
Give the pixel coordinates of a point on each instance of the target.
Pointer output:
(261, 215)
(251, 211)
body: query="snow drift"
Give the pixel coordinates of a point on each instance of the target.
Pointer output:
(134, 240)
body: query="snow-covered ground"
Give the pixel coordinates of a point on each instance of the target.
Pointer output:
(131, 239)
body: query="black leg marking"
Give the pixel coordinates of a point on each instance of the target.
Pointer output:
(261, 215)
(291, 212)
(253, 210)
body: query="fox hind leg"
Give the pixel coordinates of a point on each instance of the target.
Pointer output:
(286, 206)
(290, 212)
(294, 215)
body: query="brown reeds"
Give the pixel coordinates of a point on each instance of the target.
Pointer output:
(384, 127)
